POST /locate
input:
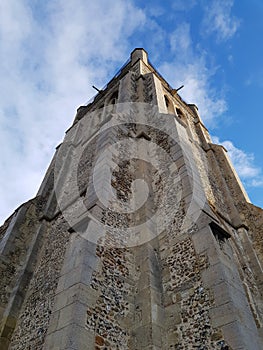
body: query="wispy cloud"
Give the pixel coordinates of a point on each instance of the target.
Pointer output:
(190, 68)
(52, 52)
(255, 79)
(257, 182)
(180, 40)
(50, 58)
(182, 5)
(219, 20)
(244, 164)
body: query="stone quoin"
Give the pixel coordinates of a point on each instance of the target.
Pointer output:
(140, 237)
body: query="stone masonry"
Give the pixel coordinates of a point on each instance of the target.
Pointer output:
(141, 235)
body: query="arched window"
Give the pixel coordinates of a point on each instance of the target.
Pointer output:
(179, 113)
(181, 116)
(169, 105)
(112, 101)
(100, 111)
(114, 98)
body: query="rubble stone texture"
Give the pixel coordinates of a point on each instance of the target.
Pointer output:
(141, 235)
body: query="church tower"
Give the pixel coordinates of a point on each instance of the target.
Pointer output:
(141, 235)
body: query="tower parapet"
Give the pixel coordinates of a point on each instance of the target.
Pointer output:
(141, 235)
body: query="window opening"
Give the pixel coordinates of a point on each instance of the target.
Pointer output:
(169, 105)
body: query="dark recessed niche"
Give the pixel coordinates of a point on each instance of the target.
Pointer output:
(220, 234)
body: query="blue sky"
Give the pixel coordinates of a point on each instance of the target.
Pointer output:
(53, 51)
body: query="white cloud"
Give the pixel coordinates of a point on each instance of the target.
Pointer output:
(219, 20)
(244, 164)
(52, 52)
(48, 66)
(257, 182)
(190, 69)
(196, 79)
(180, 40)
(156, 11)
(182, 5)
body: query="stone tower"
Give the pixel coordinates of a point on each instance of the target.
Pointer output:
(141, 235)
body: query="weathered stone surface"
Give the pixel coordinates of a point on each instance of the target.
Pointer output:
(141, 235)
